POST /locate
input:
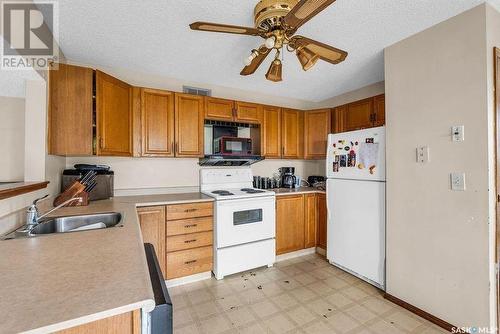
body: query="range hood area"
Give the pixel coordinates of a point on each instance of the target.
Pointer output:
(231, 144)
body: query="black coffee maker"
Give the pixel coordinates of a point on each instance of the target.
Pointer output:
(288, 178)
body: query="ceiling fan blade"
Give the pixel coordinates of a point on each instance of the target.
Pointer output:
(225, 28)
(325, 52)
(250, 69)
(304, 11)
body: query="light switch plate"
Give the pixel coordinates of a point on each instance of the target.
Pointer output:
(457, 133)
(458, 181)
(423, 155)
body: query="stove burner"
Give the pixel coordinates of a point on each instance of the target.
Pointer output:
(252, 191)
(222, 192)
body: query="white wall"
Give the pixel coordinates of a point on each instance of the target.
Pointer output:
(151, 175)
(38, 165)
(438, 251)
(493, 40)
(355, 95)
(11, 139)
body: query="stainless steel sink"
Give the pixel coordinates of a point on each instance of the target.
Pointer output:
(69, 224)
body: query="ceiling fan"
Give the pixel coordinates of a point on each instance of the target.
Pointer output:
(277, 22)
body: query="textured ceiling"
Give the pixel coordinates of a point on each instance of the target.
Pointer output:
(152, 36)
(13, 82)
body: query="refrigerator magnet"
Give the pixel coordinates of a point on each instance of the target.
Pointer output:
(370, 140)
(343, 161)
(335, 167)
(347, 148)
(372, 169)
(361, 166)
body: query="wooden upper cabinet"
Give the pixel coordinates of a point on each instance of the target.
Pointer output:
(189, 125)
(70, 110)
(379, 110)
(338, 118)
(152, 223)
(359, 115)
(322, 221)
(219, 109)
(316, 129)
(248, 112)
(310, 220)
(271, 132)
(157, 119)
(114, 116)
(289, 223)
(292, 134)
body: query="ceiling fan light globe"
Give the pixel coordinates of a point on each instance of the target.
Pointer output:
(307, 58)
(270, 42)
(275, 72)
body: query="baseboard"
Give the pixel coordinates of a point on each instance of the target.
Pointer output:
(188, 279)
(321, 251)
(292, 255)
(421, 313)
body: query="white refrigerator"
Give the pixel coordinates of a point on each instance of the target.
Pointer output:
(355, 191)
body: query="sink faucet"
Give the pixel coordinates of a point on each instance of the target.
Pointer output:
(33, 216)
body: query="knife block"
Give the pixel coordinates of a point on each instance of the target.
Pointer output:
(75, 190)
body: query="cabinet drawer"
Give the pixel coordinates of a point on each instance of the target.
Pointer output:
(190, 210)
(187, 241)
(194, 225)
(189, 262)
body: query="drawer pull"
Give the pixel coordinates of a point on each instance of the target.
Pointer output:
(190, 210)
(190, 225)
(189, 262)
(189, 241)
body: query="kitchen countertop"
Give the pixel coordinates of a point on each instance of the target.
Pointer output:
(53, 282)
(294, 191)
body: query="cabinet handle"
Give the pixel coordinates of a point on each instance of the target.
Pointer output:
(190, 241)
(101, 142)
(173, 148)
(282, 150)
(189, 262)
(176, 147)
(190, 210)
(190, 225)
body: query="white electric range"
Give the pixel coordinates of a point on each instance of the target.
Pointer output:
(245, 220)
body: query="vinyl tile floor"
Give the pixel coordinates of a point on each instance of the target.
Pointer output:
(301, 295)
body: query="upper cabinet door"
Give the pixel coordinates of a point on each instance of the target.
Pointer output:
(271, 143)
(359, 115)
(338, 119)
(189, 123)
(292, 134)
(379, 110)
(219, 109)
(248, 112)
(157, 119)
(316, 130)
(70, 110)
(114, 116)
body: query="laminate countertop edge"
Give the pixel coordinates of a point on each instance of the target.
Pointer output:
(297, 191)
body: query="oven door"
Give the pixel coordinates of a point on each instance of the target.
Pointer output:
(242, 221)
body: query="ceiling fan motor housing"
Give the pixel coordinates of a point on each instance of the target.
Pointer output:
(269, 13)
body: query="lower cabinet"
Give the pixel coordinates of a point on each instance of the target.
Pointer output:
(300, 222)
(322, 220)
(126, 323)
(152, 221)
(182, 237)
(289, 223)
